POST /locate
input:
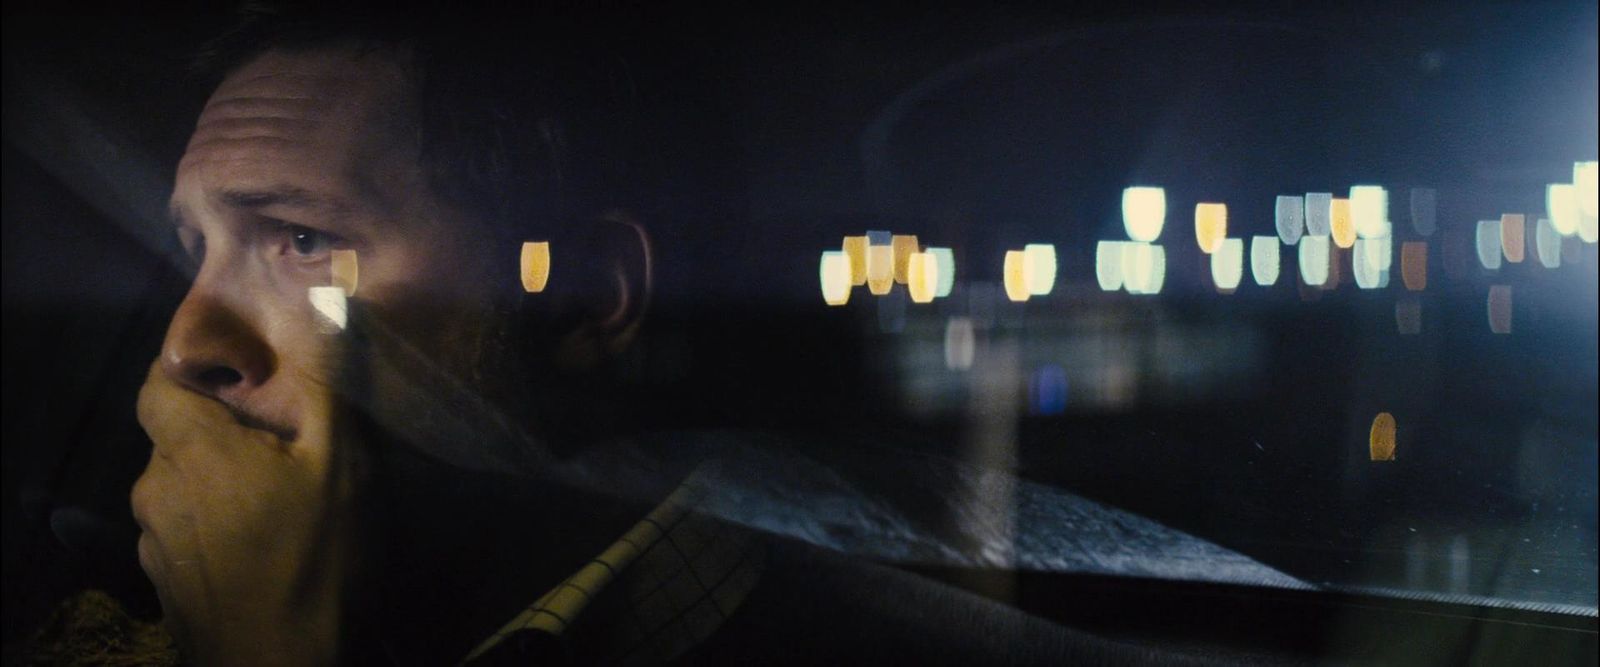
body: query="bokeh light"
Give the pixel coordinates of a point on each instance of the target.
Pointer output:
(329, 302)
(1047, 390)
(945, 258)
(535, 266)
(1414, 265)
(1144, 268)
(922, 277)
(880, 263)
(1366, 264)
(1342, 228)
(1381, 440)
(834, 274)
(1290, 218)
(1227, 264)
(960, 343)
(1319, 214)
(346, 270)
(1513, 232)
(1314, 259)
(1424, 210)
(1561, 204)
(1547, 243)
(1265, 259)
(904, 246)
(1144, 212)
(1586, 178)
(1039, 268)
(1108, 264)
(855, 247)
(1210, 225)
(1016, 277)
(1488, 243)
(1369, 211)
(1500, 309)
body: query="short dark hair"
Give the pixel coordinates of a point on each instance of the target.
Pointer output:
(517, 123)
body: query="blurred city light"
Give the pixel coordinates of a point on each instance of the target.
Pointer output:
(945, 259)
(855, 247)
(329, 301)
(1144, 268)
(1144, 212)
(346, 271)
(880, 262)
(1265, 258)
(1319, 214)
(1366, 264)
(1016, 278)
(904, 246)
(1414, 265)
(834, 274)
(1039, 268)
(1381, 441)
(1584, 178)
(1108, 269)
(1343, 228)
(1547, 243)
(1424, 210)
(1513, 232)
(1561, 204)
(1408, 315)
(959, 343)
(1210, 225)
(1489, 253)
(1369, 210)
(1227, 264)
(1314, 259)
(922, 277)
(1290, 218)
(1500, 309)
(535, 263)
(1047, 389)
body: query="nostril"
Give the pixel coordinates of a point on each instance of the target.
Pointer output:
(219, 376)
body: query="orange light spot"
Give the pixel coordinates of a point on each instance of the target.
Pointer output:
(1210, 226)
(1016, 277)
(1381, 442)
(1341, 225)
(535, 266)
(346, 271)
(904, 246)
(855, 247)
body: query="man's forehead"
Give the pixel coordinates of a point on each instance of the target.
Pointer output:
(319, 81)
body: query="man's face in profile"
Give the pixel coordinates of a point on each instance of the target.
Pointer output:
(244, 500)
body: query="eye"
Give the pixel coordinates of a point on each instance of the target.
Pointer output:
(307, 243)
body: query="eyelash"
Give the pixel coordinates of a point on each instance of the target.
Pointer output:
(322, 242)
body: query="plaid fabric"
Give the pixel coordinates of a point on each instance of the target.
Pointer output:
(666, 585)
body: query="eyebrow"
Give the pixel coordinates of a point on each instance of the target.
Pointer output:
(288, 196)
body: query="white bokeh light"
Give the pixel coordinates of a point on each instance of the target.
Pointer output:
(1144, 212)
(1227, 264)
(1265, 259)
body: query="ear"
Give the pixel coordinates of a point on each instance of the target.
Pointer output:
(611, 268)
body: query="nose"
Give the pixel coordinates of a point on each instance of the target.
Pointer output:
(212, 350)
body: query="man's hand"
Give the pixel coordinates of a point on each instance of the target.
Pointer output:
(249, 537)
